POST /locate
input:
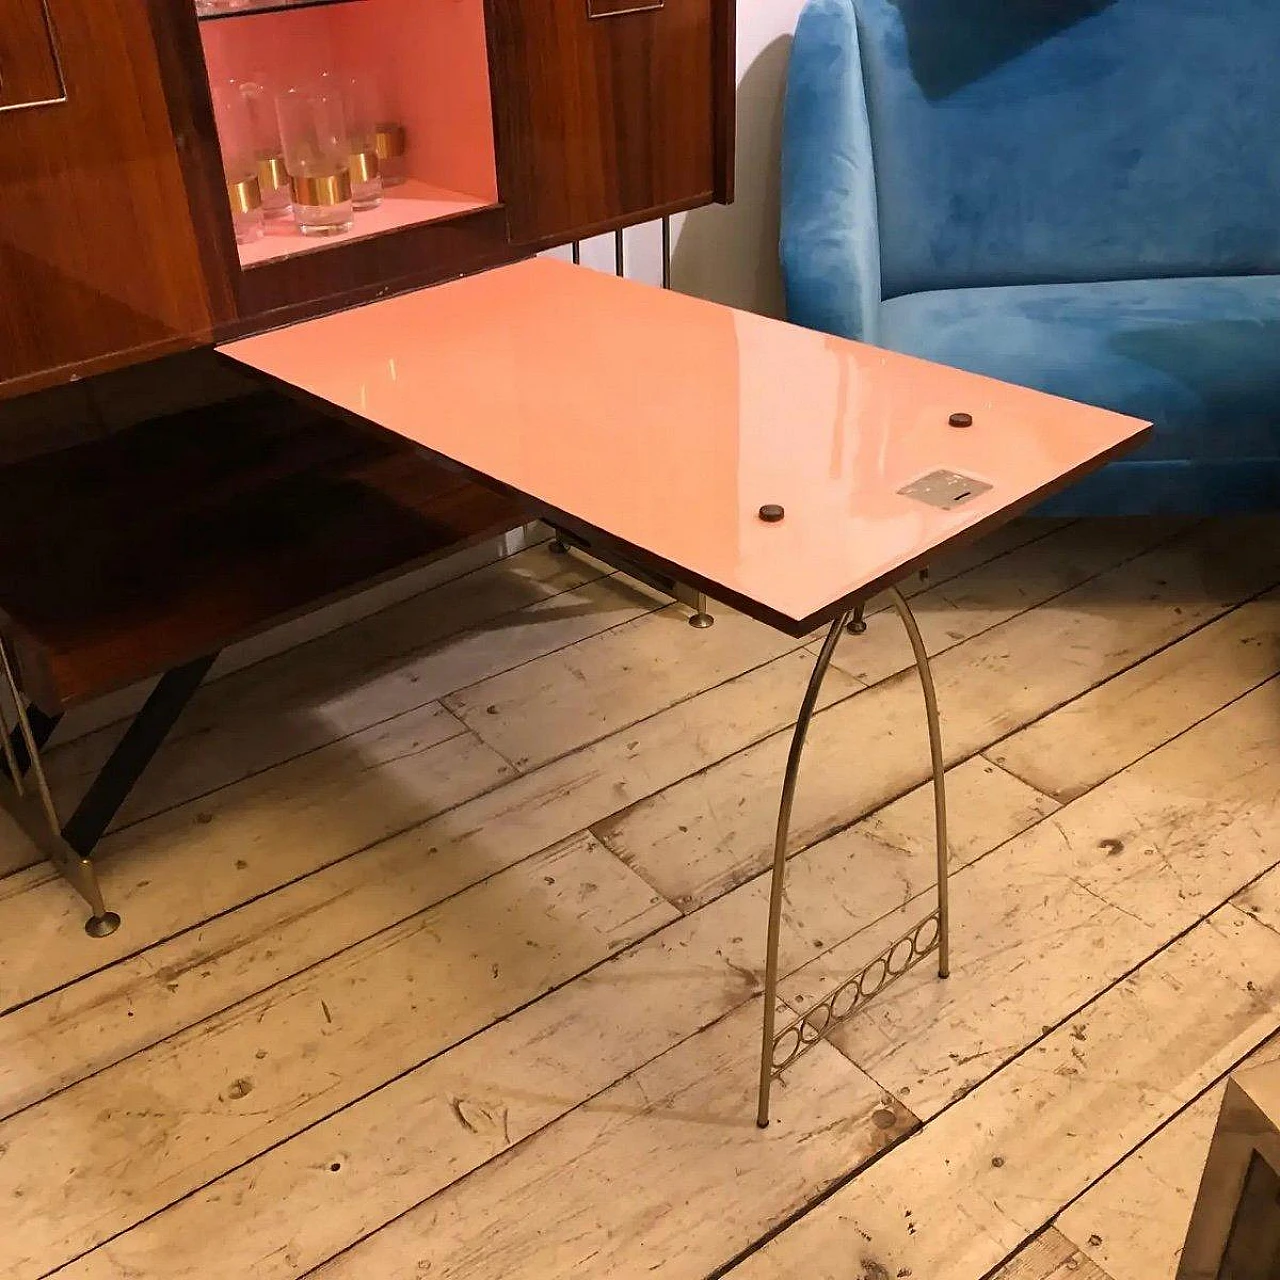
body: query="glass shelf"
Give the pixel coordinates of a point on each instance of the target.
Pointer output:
(265, 6)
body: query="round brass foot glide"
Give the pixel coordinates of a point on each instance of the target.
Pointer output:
(762, 1124)
(702, 621)
(857, 627)
(102, 926)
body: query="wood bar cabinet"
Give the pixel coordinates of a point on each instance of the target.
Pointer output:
(157, 508)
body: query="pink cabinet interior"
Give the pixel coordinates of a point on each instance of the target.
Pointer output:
(430, 61)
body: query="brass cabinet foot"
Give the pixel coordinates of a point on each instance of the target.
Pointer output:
(102, 926)
(78, 871)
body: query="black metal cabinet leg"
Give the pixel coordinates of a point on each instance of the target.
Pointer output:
(133, 753)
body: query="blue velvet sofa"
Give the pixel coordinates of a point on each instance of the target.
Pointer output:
(1078, 195)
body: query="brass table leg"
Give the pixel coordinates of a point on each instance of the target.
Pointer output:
(37, 815)
(779, 1049)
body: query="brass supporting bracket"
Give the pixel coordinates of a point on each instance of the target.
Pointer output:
(855, 993)
(778, 1050)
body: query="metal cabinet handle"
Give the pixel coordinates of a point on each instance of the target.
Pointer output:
(617, 8)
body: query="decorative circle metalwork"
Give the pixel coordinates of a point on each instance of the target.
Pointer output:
(840, 1007)
(788, 1042)
(879, 968)
(902, 954)
(815, 1023)
(929, 929)
(842, 1003)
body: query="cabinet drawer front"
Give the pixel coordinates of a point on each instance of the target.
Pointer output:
(607, 110)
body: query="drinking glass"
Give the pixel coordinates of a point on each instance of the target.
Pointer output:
(264, 128)
(313, 130)
(362, 118)
(238, 164)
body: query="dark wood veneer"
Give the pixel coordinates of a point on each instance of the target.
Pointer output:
(172, 539)
(601, 120)
(344, 275)
(28, 57)
(98, 257)
(116, 244)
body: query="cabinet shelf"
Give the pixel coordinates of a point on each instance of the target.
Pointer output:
(268, 6)
(411, 205)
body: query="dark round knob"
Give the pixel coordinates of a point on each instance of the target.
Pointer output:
(771, 513)
(961, 420)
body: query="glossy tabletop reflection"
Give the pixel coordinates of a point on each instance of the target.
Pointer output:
(667, 422)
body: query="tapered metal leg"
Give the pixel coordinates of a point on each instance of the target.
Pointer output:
(939, 778)
(790, 778)
(780, 1049)
(38, 817)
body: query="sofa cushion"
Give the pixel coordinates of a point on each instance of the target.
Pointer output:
(1068, 140)
(1200, 357)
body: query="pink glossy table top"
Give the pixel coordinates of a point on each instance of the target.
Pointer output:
(666, 422)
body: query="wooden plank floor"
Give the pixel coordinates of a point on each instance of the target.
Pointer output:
(442, 938)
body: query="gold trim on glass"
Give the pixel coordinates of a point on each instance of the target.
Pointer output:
(389, 141)
(364, 166)
(245, 195)
(331, 189)
(272, 175)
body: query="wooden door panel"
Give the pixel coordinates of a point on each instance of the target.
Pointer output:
(29, 70)
(607, 110)
(99, 263)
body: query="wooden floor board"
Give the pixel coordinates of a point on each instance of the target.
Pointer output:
(175, 870)
(590, 690)
(414, 653)
(1087, 740)
(673, 1148)
(393, 1006)
(304, 1048)
(955, 1199)
(1133, 1221)
(1068, 907)
(45, 1046)
(523, 1074)
(1050, 1256)
(703, 835)
(952, 610)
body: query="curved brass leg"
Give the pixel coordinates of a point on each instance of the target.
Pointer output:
(780, 859)
(939, 777)
(933, 933)
(43, 828)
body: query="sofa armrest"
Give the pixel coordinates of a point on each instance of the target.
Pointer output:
(830, 239)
